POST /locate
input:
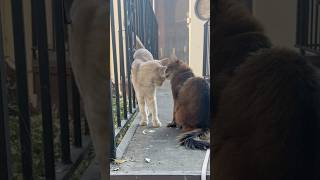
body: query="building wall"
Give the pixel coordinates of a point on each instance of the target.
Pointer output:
(180, 32)
(173, 29)
(196, 39)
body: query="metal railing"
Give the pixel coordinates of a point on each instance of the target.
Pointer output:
(308, 22)
(5, 161)
(56, 150)
(139, 23)
(206, 51)
(55, 156)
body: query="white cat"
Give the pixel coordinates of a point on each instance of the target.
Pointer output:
(147, 73)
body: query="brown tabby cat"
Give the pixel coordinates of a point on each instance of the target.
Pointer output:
(191, 105)
(267, 104)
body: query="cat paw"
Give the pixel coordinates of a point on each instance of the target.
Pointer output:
(172, 125)
(156, 124)
(143, 123)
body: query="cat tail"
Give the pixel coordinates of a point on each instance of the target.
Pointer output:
(195, 139)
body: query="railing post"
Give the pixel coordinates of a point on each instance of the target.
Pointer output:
(134, 34)
(129, 50)
(41, 28)
(62, 82)
(110, 113)
(307, 32)
(316, 33)
(116, 82)
(22, 88)
(113, 145)
(76, 114)
(5, 155)
(122, 70)
(205, 50)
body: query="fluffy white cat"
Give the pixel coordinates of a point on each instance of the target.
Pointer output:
(146, 74)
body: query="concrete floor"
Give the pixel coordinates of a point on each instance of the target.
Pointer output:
(160, 146)
(167, 159)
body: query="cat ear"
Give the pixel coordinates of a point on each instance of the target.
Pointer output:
(162, 70)
(164, 61)
(173, 57)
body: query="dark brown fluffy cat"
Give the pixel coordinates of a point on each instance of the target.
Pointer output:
(266, 116)
(191, 105)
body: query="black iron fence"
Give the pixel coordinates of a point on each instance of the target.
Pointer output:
(139, 22)
(5, 160)
(40, 147)
(206, 51)
(48, 144)
(308, 22)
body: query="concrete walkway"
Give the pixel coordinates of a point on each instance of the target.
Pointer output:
(160, 146)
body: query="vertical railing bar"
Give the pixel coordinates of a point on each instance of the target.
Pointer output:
(132, 44)
(157, 39)
(41, 25)
(137, 21)
(144, 23)
(316, 27)
(76, 114)
(86, 127)
(22, 88)
(152, 37)
(109, 106)
(298, 24)
(122, 61)
(143, 26)
(152, 17)
(129, 54)
(204, 68)
(134, 33)
(5, 155)
(306, 20)
(116, 83)
(150, 23)
(147, 25)
(110, 113)
(311, 23)
(318, 31)
(155, 34)
(34, 35)
(141, 22)
(62, 82)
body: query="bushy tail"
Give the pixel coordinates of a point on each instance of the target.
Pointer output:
(196, 139)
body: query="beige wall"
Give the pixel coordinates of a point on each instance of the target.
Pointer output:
(195, 40)
(279, 19)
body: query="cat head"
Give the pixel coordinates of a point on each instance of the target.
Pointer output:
(162, 71)
(173, 67)
(161, 75)
(165, 61)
